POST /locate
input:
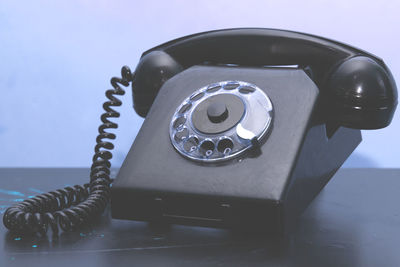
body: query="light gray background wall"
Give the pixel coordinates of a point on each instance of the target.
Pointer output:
(56, 59)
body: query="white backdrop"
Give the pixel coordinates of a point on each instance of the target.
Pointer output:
(56, 59)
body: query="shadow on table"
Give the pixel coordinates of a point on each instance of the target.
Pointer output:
(316, 242)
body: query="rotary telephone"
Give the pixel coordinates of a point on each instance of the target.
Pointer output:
(243, 128)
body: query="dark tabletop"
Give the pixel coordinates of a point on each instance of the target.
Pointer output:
(355, 221)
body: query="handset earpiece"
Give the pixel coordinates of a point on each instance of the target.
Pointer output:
(153, 70)
(362, 94)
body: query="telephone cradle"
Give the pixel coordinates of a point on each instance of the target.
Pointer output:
(243, 128)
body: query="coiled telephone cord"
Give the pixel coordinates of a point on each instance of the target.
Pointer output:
(71, 207)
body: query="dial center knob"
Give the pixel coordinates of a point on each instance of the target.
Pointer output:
(217, 112)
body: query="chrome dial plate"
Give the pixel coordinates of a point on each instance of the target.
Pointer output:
(199, 146)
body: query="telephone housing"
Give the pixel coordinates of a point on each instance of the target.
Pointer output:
(322, 93)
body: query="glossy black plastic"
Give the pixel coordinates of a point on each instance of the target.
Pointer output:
(151, 73)
(362, 94)
(359, 88)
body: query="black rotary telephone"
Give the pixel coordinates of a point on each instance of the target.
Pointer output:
(243, 128)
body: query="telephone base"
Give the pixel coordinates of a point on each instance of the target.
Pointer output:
(264, 192)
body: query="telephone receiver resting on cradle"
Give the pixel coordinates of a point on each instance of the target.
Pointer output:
(243, 128)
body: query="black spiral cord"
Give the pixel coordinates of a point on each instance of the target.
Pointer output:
(72, 207)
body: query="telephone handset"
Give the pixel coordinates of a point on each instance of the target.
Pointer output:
(234, 135)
